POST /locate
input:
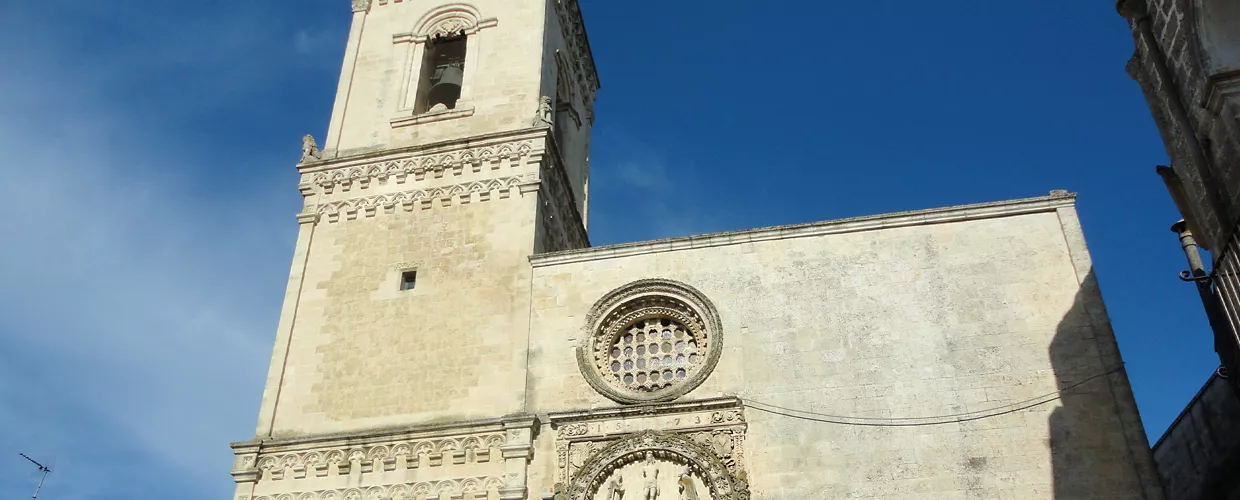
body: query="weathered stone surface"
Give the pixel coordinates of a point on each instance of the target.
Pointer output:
(522, 364)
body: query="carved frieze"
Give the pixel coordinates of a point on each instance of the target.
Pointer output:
(369, 206)
(470, 488)
(403, 455)
(417, 166)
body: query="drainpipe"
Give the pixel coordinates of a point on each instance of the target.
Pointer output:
(1225, 340)
(1137, 12)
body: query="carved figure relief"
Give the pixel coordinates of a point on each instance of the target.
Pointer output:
(687, 487)
(651, 340)
(310, 149)
(650, 479)
(544, 116)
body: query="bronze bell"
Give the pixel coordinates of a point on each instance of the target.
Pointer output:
(448, 89)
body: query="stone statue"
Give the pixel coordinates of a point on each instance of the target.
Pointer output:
(615, 488)
(545, 111)
(310, 150)
(650, 479)
(687, 490)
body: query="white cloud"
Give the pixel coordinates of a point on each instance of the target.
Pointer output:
(137, 304)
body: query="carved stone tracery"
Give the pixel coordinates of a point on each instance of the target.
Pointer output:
(651, 340)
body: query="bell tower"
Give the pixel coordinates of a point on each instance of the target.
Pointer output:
(458, 147)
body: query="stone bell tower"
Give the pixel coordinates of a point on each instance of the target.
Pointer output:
(458, 147)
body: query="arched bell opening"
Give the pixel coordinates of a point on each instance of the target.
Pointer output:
(444, 73)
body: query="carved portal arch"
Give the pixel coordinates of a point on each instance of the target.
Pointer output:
(651, 340)
(696, 460)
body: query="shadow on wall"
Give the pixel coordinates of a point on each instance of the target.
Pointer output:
(1098, 447)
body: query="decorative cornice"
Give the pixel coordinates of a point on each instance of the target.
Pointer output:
(333, 160)
(361, 5)
(463, 193)
(399, 165)
(455, 488)
(839, 226)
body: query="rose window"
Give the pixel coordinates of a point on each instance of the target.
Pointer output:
(654, 353)
(650, 346)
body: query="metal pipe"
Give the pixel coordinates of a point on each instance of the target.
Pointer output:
(1189, 244)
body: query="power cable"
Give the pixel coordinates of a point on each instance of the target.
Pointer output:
(934, 420)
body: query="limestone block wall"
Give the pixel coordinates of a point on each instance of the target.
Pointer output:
(932, 313)
(353, 350)
(1198, 455)
(502, 74)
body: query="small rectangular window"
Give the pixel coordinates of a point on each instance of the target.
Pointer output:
(408, 279)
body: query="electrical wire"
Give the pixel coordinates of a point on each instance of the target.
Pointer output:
(934, 420)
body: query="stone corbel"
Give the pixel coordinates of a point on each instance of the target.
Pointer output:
(308, 218)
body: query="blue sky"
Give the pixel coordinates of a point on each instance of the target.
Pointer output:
(147, 165)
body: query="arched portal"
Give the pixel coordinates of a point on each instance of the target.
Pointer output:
(656, 466)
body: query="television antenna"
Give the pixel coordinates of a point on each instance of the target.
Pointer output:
(43, 469)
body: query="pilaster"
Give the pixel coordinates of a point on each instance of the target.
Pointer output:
(284, 330)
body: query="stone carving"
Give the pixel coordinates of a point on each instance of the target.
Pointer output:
(697, 461)
(361, 5)
(615, 489)
(449, 27)
(424, 198)
(410, 454)
(545, 114)
(574, 430)
(650, 479)
(419, 165)
(455, 488)
(670, 319)
(687, 490)
(310, 150)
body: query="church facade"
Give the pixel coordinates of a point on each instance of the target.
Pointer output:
(448, 331)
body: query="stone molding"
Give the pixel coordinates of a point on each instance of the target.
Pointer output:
(418, 164)
(1220, 89)
(472, 488)
(621, 307)
(945, 215)
(361, 5)
(464, 193)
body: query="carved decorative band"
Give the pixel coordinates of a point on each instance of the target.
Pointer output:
(464, 193)
(407, 455)
(474, 488)
(400, 169)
